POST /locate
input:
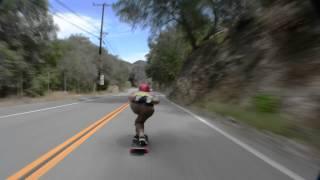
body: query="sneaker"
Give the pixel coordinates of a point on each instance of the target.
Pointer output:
(135, 139)
(143, 140)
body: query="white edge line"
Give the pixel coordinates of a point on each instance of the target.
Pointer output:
(38, 110)
(255, 152)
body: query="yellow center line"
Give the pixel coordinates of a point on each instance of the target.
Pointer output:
(75, 141)
(41, 171)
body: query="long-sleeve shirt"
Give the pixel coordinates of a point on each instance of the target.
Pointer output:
(143, 97)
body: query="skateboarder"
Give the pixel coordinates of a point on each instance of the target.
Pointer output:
(142, 104)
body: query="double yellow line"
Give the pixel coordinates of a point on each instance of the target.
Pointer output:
(43, 164)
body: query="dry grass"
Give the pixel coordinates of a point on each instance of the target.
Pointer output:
(53, 96)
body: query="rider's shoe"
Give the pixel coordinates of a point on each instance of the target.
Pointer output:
(147, 137)
(143, 140)
(135, 139)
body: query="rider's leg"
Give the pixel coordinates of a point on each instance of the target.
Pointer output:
(139, 123)
(146, 113)
(143, 113)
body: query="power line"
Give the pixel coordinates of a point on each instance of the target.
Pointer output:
(75, 25)
(108, 44)
(112, 48)
(55, 10)
(65, 6)
(64, 19)
(76, 14)
(94, 35)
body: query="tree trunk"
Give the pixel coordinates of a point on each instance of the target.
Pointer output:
(188, 30)
(213, 29)
(78, 87)
(20, 86)
(94, 87)
(48, 81)
(64, 82)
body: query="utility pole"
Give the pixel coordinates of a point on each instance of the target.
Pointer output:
(100, 75)
(101, 29)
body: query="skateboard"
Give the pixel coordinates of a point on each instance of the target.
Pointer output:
(136, 148)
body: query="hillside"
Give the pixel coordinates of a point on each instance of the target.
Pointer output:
(260, 68)
(252, 61)
(137, 73)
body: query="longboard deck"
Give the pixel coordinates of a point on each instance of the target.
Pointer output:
(136, 149)
(139, 150)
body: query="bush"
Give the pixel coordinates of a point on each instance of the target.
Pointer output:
(39, 85)
(266, 103)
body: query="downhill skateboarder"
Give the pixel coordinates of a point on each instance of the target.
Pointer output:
(142, 104)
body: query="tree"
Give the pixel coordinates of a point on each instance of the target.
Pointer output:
(188, 15)
(78, 65)
(197, 19)
(11, 66)
(166, 56)
(24, 42)
(33, 61)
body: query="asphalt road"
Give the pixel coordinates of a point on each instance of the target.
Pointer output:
(181, 146)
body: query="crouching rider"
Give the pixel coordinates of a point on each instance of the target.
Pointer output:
(142, 104)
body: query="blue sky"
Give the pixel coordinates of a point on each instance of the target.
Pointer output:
(130, 45)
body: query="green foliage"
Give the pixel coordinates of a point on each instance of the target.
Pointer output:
(115, 70)
(138, 73)
(11, 63)
(166, 56)
(198, 20)
(78, 64)
(32, 61)
(273, 122)
(277, 123)
(38, 86)
(244, 33)
(266, 103)
(178, 27)
(23, 44)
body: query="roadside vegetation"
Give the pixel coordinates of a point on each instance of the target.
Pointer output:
(274, 122)
(256, 61)
(34, 62)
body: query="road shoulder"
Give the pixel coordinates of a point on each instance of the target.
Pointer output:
(295, 156)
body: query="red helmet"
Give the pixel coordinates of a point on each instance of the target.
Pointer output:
(144, 87)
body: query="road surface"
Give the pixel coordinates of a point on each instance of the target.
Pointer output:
(182, 147)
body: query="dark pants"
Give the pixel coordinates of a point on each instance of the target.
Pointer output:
(143, 112)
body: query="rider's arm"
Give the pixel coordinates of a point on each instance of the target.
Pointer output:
(131, 97)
